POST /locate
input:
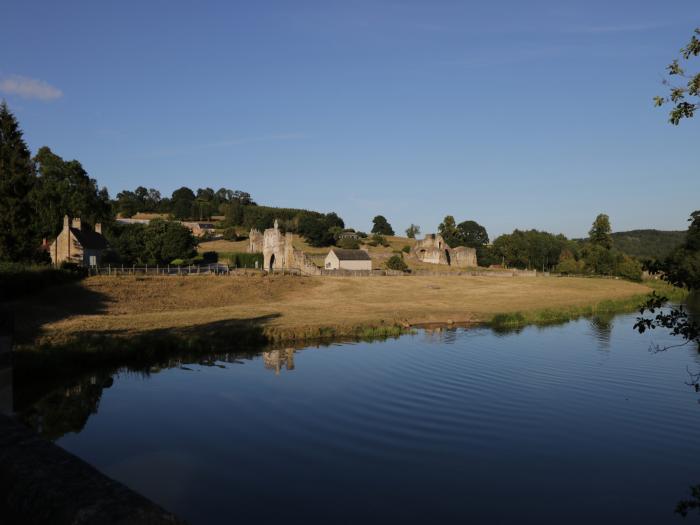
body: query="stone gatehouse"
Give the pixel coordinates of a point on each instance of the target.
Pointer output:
(279, 252)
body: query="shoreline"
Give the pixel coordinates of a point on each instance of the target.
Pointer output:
(85, 350)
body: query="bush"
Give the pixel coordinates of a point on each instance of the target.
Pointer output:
(177, 262)
(396, 262)
(348, 244)
(246, 260)
(378, 238)
(406, 249)
(17, 279)
(230, 234)
(630, 269)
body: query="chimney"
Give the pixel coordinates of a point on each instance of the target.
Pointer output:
(76, 223)
(66, 222)
(98, 228)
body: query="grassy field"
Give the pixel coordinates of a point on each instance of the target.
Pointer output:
(295, 308)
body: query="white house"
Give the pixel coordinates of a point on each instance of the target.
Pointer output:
(340, 259)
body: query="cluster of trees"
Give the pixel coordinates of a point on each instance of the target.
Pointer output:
(159, 242)
(648, 244)
(184, 203)
(682, 266)
(534, 249)
(36, 192)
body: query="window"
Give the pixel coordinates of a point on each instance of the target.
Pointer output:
(93, 260)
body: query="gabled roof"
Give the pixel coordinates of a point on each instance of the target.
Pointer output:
(351, 255)
(90, 239)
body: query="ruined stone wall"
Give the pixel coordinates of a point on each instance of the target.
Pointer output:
(279, 253)
(255, 241)
(463, 257)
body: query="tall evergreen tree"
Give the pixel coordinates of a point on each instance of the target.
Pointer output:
(18, 240)
(64, 188)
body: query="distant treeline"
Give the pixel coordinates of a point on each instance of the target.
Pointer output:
(648, 244)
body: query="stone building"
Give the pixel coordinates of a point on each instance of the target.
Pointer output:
(78, 245)
(199, 229)
(340, 259)
(434, 250)
(279, 252)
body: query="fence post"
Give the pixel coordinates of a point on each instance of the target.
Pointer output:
(109, 269)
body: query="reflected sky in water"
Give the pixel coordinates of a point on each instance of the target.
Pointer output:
(577, 423)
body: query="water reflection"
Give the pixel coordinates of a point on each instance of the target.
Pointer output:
(278, 359)
(601, 328)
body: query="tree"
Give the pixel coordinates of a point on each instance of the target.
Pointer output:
(448, 230)
(600, 232)
(412, 231)
(381, 226)
(396, 262)
(18, 238)
(127, 243)
(679, 94)
(682, 267)
(182, 202)
(166, 241)
(472, 234)
(64, 188)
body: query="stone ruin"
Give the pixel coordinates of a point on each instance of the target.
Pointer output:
(279, 252)
(434, 250)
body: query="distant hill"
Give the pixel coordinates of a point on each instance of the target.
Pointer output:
(648, 244)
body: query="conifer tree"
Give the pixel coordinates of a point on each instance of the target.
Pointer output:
(18, 241)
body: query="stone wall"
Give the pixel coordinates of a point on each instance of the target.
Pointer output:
(279, 253)
(434, 250)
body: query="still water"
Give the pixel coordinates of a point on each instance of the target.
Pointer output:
(577, 423)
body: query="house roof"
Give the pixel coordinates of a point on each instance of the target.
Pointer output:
(90, 239)
(351, 255)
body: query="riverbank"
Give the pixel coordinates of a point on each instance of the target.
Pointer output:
(288, 308)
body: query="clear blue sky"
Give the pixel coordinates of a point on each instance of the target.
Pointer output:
(532, 114)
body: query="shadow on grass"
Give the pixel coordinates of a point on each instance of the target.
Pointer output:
(50, 305)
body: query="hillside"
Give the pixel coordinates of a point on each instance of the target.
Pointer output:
(648, 244)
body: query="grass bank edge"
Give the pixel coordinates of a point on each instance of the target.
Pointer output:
(547, 316)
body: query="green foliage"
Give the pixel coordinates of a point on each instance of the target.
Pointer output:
(379, 240)
(166, 240)
(569, 265)
(448, 230)
(600, 232)
(682, 267)
(412, 231)
(182, 203)
(679, 94)
(406, 249)
(381, 226)
(18, 279)
(19, 237)
(127, 244)
(320, 230)
(64, 188)
(348, 244)
(396, 262)
(529, 249)
(246, 260)
(230, 234)
(648, 244)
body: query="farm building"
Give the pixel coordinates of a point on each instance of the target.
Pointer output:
(77, 245)
(340, 259)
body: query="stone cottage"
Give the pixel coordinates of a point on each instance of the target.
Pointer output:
(434, 250)
(78, 245)
(340, 259)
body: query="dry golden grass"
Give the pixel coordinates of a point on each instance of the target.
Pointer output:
(289, 305)
(222, 246)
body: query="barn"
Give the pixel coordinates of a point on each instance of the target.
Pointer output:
(341, 259)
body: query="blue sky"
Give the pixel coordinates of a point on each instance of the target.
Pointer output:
(530, 114)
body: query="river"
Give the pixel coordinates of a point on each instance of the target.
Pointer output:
(576, 423)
